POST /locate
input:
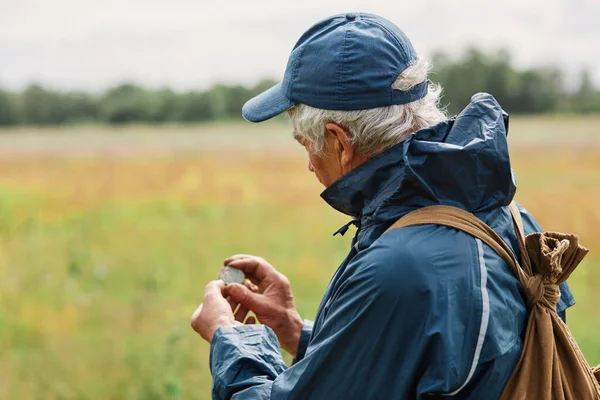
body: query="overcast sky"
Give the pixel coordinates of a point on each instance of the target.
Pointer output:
(91, 44)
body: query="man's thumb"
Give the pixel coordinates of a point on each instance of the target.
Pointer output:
(244, 296)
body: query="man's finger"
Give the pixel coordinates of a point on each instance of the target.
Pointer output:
(256, 267)
(236, 257)
(244, 296)
(215, 288)
(232, 304)
(250, 285)
(250, 321)
(241, 313)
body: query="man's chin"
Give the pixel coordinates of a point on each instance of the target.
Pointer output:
(322, 181)
(325, 183)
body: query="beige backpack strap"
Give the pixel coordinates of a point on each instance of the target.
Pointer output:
(516, 214)
(462, 220)
(518, 221)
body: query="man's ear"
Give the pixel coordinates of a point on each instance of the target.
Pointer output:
(338, 139)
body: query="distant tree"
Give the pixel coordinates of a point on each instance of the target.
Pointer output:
(503, 80)
(531, 91)
(80, 107)
(234, 99)
(586, 83)
(129, 103)
(540, 90)
(196, 107)
(534, 90)
(43, 107)
(461, 78)
(10, 112)
(586, 99)
(222, 101)
(168, 102)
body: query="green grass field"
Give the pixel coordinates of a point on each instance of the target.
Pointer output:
(108, 238)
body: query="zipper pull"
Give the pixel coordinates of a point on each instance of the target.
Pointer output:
(342, 231)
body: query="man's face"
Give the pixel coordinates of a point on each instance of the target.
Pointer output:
(338, 159)
(326, 167)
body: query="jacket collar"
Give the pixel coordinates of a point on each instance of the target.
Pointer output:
(360, 191)
(462, 162)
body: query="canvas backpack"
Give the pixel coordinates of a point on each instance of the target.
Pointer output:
(551, 365)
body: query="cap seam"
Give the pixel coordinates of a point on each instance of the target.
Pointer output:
(295, 70)
(341, 86)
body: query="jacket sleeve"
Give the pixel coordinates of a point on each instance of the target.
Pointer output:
(376, 326)
(244, 361)
(305, 335)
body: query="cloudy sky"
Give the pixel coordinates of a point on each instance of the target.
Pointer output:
(91, 44)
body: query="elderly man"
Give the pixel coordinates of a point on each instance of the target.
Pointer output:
(420, 312)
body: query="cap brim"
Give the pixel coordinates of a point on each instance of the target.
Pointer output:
(266, 105)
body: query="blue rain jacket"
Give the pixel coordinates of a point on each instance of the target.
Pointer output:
(422, 312)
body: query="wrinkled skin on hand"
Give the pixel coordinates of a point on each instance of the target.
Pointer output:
(269, 296)
(214, 311)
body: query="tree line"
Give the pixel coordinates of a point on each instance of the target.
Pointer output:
(534, 90)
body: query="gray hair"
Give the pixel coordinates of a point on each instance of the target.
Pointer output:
(374, 130)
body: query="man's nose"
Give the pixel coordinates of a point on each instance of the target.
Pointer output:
(310, 167)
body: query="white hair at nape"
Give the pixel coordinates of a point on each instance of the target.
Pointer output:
(375, 130)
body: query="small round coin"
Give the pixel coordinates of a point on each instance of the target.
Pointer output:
(231, 275)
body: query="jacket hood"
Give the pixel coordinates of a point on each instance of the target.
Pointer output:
(461, 162)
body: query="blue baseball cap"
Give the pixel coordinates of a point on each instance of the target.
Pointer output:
(345, 62)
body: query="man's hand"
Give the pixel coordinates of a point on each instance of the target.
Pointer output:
(214, 311)
(272, 301)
